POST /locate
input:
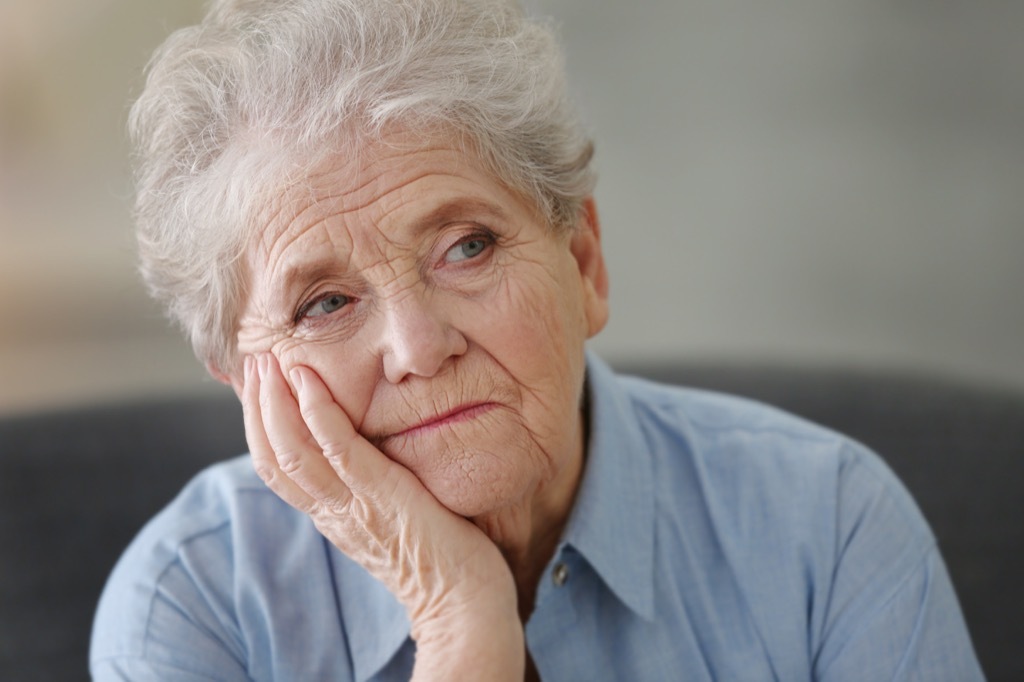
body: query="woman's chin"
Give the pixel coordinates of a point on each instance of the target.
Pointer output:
(478, 488)
(482, 465)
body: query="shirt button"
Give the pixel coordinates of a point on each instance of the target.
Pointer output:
(560, 574)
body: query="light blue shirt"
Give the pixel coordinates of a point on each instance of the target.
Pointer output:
(712, 539)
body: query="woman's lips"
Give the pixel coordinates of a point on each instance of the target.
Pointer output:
(459, 414)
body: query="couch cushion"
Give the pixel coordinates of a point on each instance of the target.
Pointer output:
(75, 487)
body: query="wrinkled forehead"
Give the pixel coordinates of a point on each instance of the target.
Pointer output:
(374, 193)
(368, 182)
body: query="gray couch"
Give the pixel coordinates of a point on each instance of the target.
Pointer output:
(75, 486)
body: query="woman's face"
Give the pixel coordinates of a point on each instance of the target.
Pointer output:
(445, 317)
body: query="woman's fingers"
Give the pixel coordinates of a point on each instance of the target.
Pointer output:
(311, 456)
(258, 403)
(264, 460)
(365, 470)
(298, 456)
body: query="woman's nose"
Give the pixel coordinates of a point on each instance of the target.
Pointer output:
(417, 338)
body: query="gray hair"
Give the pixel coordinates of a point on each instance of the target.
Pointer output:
(259, 80)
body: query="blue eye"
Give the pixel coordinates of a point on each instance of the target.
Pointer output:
(468, 249)
(325, 305)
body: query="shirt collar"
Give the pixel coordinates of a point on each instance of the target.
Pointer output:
(611, 526)
(612, 522)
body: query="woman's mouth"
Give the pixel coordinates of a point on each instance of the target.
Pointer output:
(460, 414)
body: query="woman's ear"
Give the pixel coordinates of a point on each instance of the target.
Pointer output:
(585, 246)
(235, 382)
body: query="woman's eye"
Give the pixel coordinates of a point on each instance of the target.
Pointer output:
(468, 249)
(325, 306)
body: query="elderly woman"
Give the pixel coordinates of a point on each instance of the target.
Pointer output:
(374, 221)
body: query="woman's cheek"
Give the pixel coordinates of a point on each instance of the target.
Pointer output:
(290, 354)
(349, 381)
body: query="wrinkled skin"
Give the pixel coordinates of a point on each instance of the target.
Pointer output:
(414, 363)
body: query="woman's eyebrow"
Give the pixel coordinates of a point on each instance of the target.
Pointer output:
(454, 210)
(300, 273)
(312, 269)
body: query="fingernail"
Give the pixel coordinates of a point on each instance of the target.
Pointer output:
(247, 367)
(296, 376)
(262, 365)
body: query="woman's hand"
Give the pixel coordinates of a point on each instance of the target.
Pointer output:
(453, 581)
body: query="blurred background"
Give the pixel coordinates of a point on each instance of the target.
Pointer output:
(833, 182)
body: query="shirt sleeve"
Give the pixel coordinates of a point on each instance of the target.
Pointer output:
(891, 611)
(917, 634)
(168, 625)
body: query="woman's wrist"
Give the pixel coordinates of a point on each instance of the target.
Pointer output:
(479, 646)
(476, 637)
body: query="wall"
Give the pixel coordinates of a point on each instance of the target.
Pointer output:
(832, 182)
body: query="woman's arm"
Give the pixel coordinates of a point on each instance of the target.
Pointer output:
(452, 580)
